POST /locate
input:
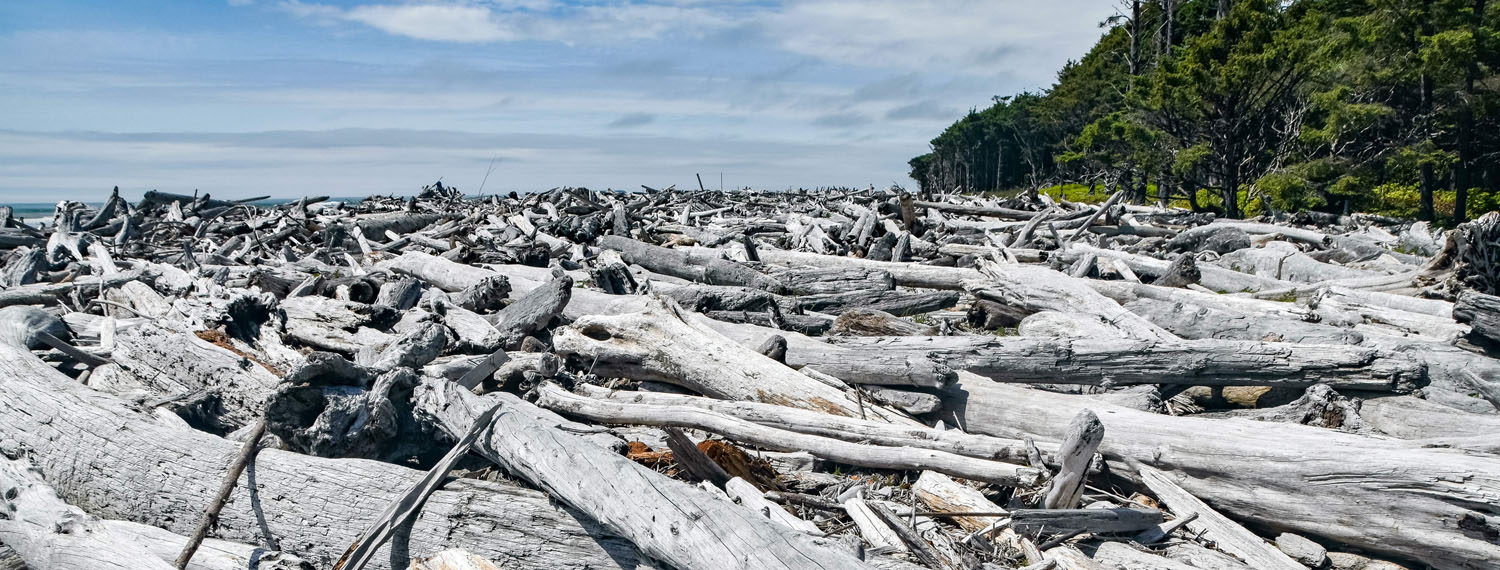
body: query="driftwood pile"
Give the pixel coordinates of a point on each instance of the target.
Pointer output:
(704, 380)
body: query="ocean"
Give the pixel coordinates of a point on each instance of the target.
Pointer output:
(33, 213)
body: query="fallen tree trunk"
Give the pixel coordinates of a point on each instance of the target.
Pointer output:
(49, 533)
(668, 520)
(177, 363)
(554, 398)
(141, 470)
(1124, 361)
(825, 425)
(686, 265)
(1431, 505)
(1481, 311)
(662, 344)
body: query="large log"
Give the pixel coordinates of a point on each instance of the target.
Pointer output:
(668, 520)
(662, 344)
(1432, 505)
(117, 463)
(553, 397)
(49, 533)
(178, 363)
(1040, 289)
(1125, 361)
(689, 265)
(1481, 311)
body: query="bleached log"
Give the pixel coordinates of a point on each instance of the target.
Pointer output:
(871, 527)
(1122, 557)
(1075, 454)
(1338, 309)
(899, 303)
(660, 344)
(670, 521)
(148, 472)
(1481, 312)
(941, 493)
(820, 281)
(905, 274)
(1210, 276)
(1125, 361)
(1283, 261)
(533, 310)
(826, 425)
(1290, 477)
(554, 398)
(744, 493)
(1192, 321)
(47, 532)
(441, 273)
(213, 554)
(696, 268)
(177, 363)
(1228, 535)
(1041, 289)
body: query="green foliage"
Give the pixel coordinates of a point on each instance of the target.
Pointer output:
(1332, 105)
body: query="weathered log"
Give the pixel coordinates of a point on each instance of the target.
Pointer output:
(1218, 238)
(1229, 536)
(668, 520)
(533, 311)
(1080, 442)
(941, 493)
(1096, 521)
(696, 268)
(555, 398)
(905, 274)
(47, 532)
(148, 472)
(214, 554)
(1124, 361)
(1211, 276)
(822, 281)
(1481, 312)
(1193, 321)
(178, 363)
(837, 427)
(1418, 503)
(1040, 289)
(901, 304)
(661, 344)
(1122, 557)
(1182, 272)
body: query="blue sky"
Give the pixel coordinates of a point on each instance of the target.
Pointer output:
(293, 97)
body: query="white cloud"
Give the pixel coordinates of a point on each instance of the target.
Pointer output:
(1022, 37)
(515, 20)
(435, 22)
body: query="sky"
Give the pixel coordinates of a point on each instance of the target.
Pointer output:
(286, 98)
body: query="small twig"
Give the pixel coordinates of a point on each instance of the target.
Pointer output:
(231, 479)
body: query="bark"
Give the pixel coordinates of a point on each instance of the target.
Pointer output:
(668, 520)
(1431, 505)
(1096, 521)
(141, 470)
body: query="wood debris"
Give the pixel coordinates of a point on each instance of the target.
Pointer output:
(710, 380)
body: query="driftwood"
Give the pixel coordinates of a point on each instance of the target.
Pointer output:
(1480, 311)
(1119, 362)
(303, 503)
(880, 457)
(48, 533)
(1400, 488)
(661, 344)
(675, 523)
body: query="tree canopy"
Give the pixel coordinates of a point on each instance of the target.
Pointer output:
(1250, 106)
